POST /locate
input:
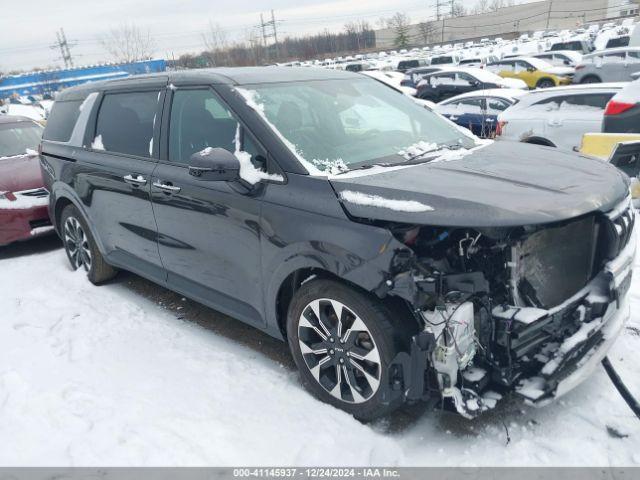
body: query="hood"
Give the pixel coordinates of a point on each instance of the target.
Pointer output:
(503, 184)
(514, 83)
(561, 70)
(19, 173)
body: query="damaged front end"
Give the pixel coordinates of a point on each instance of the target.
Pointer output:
(528, 309)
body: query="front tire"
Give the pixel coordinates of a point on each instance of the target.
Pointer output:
(81, 248)
(343, 341)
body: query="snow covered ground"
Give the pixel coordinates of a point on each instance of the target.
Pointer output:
(130, 374)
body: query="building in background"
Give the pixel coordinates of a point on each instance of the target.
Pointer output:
(509, 22)
(47, 82)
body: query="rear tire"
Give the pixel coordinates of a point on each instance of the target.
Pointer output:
(81, 248)
(545, 83)
(345, 363)
(591, 79)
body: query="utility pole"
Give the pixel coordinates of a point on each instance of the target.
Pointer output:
(442, 6)
(275, 33)
(549, 13)
(63, 45)
(269, 25)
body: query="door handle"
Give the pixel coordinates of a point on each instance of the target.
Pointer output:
(136, 181)
(166, 187)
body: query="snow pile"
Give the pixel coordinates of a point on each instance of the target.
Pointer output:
(23, 202)
(417, 149)
(359, 198)
(97, 143)
(103, 376)
(28, 152)
(248, 172)
(332, 167)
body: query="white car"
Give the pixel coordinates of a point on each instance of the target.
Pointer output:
(557, 117)
(561, 58)
(34, 112)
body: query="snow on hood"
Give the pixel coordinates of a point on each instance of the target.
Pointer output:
(560, 70)
(20, 172)
(496, 185)
(514, 83)
(360, 198)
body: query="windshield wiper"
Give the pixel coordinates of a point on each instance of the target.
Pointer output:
(426, 157)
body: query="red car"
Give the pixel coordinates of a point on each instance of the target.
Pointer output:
(23, 198)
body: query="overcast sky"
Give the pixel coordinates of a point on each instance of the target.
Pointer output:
(175, 26)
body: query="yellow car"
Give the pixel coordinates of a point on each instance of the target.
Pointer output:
(536, 73)
(620, 149)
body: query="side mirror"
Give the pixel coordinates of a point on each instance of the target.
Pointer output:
(214, 165)
(531, 69)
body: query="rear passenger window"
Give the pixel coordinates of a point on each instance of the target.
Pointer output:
(125, 123)
(577, 102)
(61, 120)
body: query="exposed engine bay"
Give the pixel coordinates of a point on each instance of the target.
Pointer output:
(524, 309)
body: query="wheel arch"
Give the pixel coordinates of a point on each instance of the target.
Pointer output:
(542, 79)
(62, 200)
(278, 304)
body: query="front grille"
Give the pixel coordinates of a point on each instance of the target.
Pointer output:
(43, 222)
(552, 264)
(34, 193)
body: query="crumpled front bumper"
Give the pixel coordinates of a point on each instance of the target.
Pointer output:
(579, 354)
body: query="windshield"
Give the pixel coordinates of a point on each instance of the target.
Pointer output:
(350, 123)
(16, 138)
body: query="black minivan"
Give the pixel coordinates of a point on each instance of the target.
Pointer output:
(400, 257)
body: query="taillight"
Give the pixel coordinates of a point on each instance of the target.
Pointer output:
(616, 108)
(500, 128)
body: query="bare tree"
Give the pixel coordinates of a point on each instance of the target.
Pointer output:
(215, 41)
(481, 7)
(128, 43)
(400, 24)
(427, 31)
(458, 9)
(496, 5)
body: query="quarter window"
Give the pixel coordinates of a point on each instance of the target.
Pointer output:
(61, 121)
(125, 123)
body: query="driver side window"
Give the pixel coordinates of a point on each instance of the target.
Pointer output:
(199, 120)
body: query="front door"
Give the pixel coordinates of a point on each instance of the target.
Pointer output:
(209, 235)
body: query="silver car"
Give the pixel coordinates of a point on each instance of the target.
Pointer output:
(612, 65)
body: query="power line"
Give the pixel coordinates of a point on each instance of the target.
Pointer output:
(63, 45)
(269, 29)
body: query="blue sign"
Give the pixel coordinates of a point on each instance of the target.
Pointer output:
(49, 82)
